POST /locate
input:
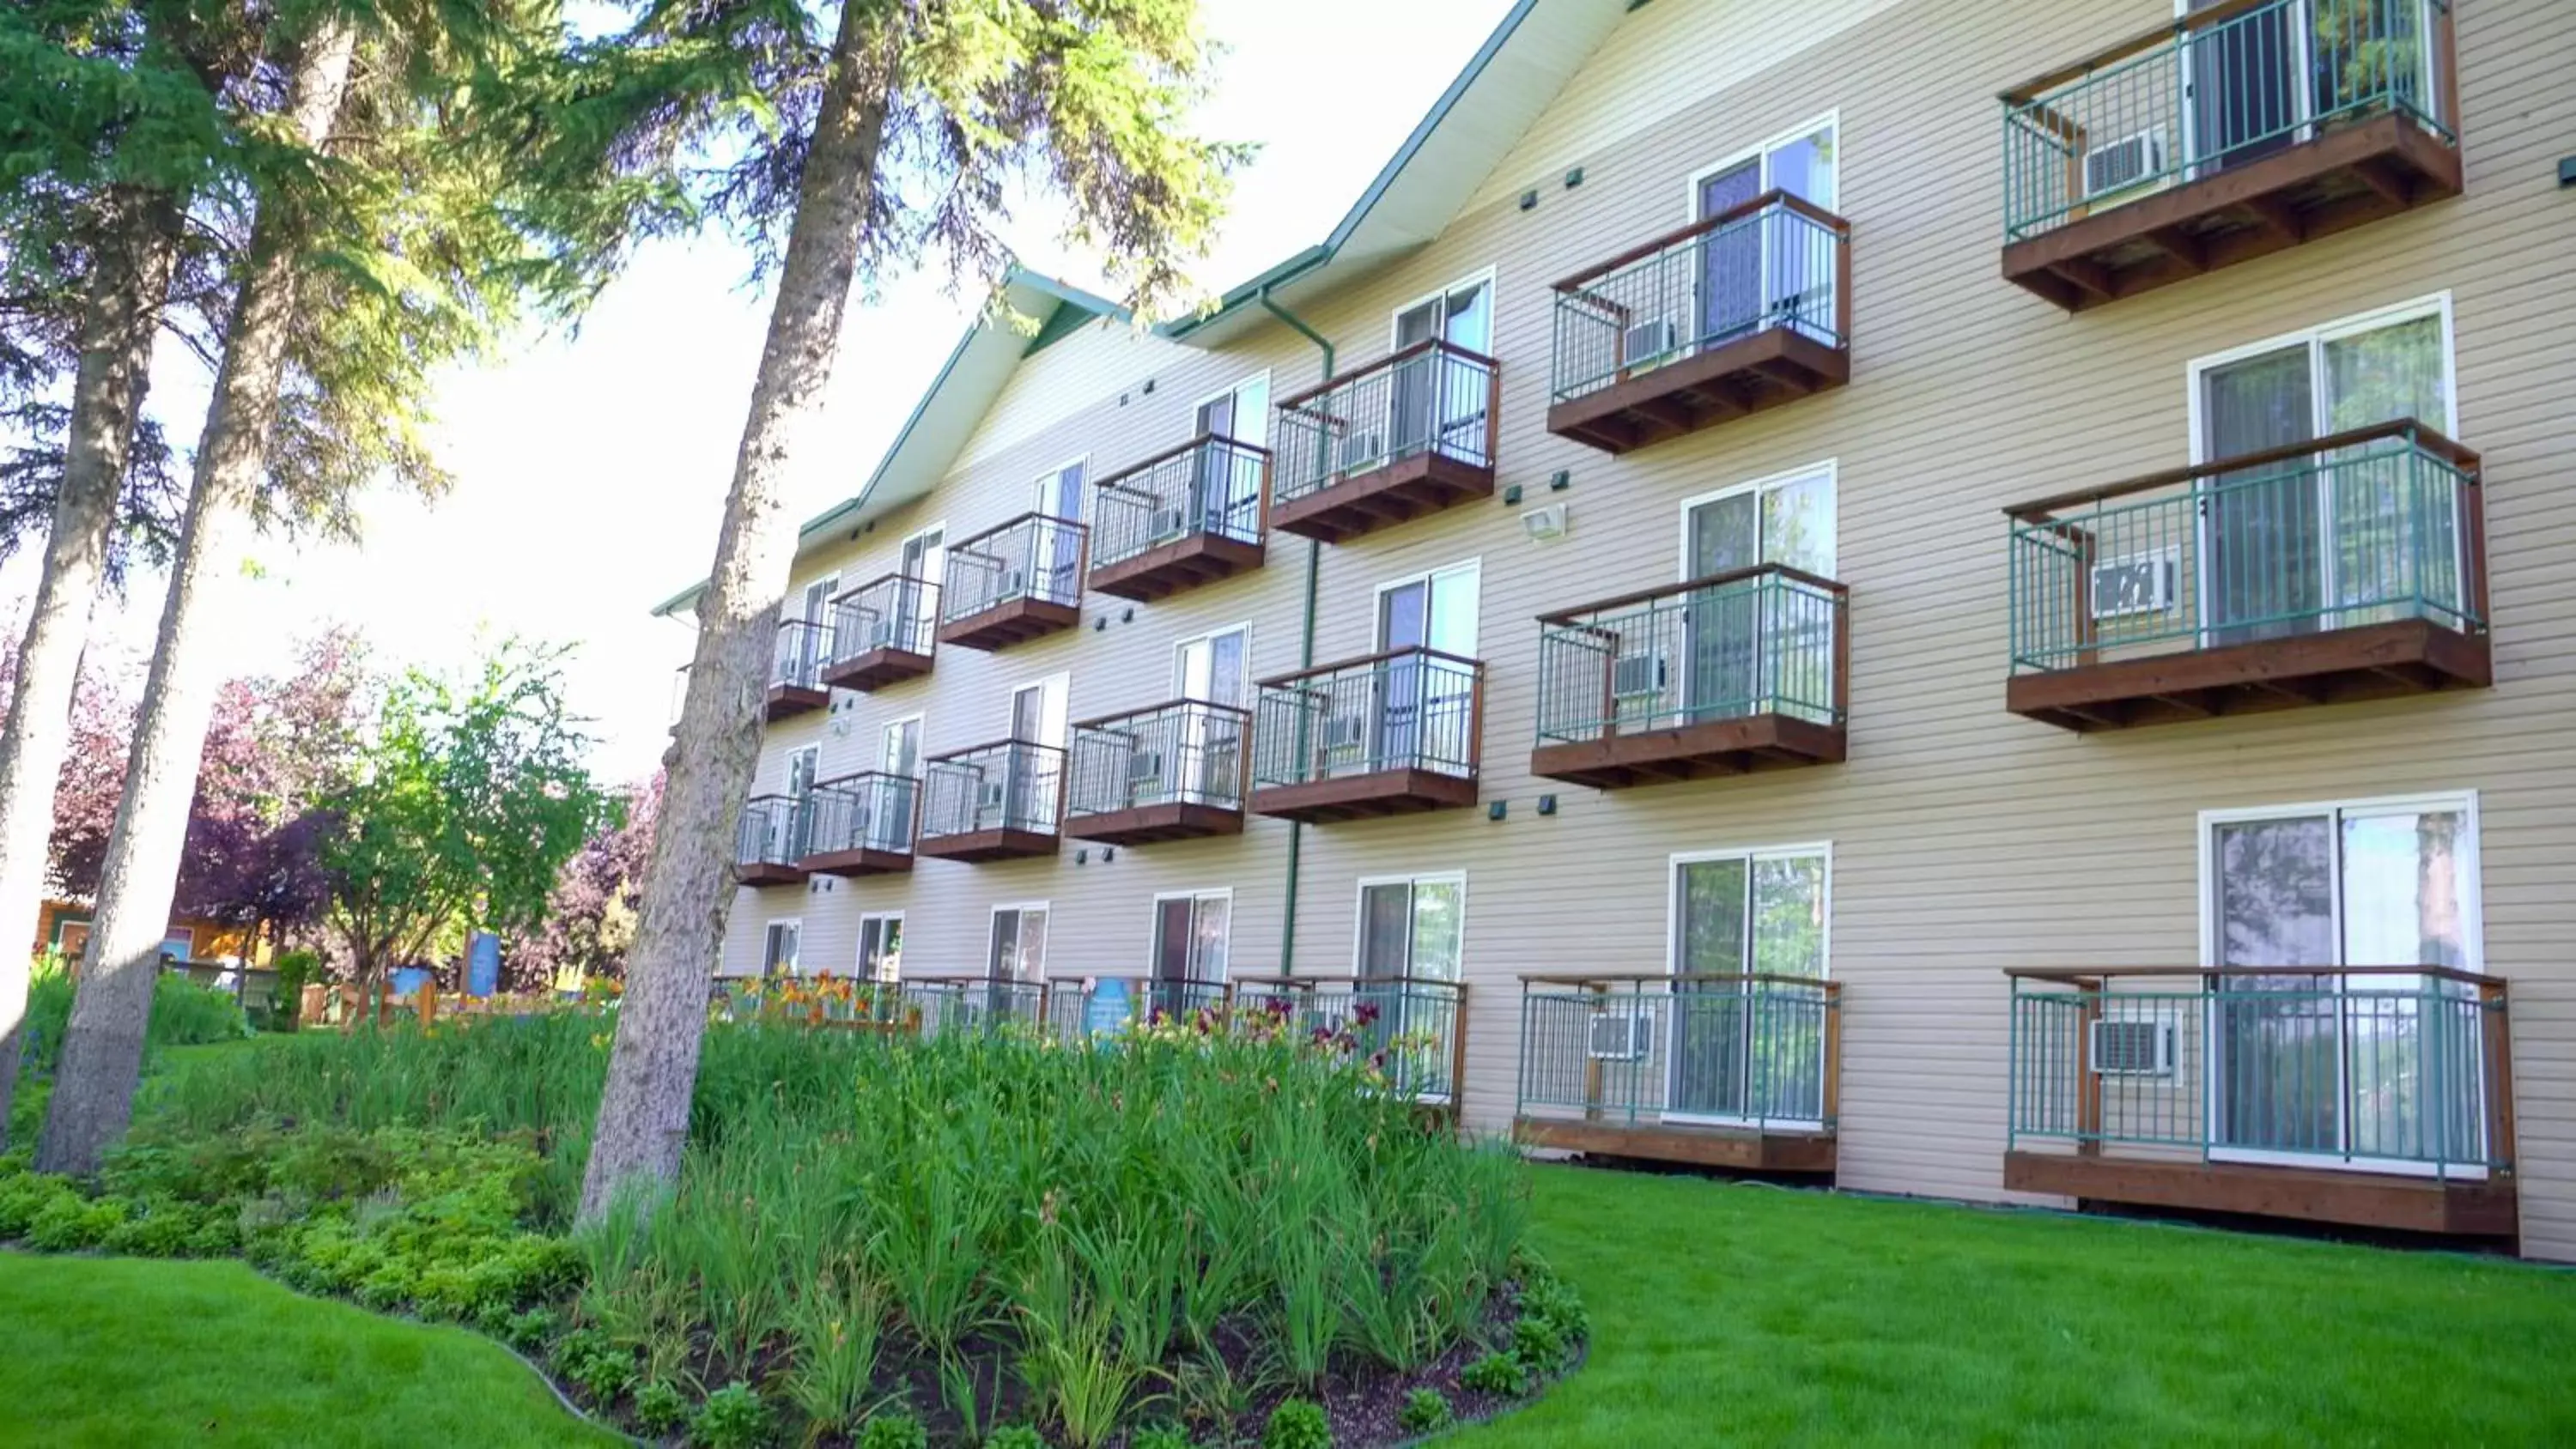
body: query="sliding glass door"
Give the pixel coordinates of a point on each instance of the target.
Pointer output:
(1743, 1049)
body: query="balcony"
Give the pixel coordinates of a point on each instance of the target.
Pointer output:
(769, 843)
(1386, 735)
(1180, 519)
(1739, 671)
(2373, 1097)
(795, 669)
(1731, 1071)
(882, 633)
(2352, 567)
(1014, 583)
(860, 826)
(1741, 312)
(1167, 773)
(2234, 132)
(1409, 434)
(1411, 1028)
(993, 802)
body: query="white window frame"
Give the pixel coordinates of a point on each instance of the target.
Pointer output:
(2437, 304)
(1830, 120)
(1043, 485)
(859, 950)
(813, 773)
(1060, 681)
(993, 924)
(909, 539)
(768, 929)
(1236, 392)
(920, 721)
(1832, 470)
(1411, 880)
(1673, 863)
(1154, 929)
(1474, 564)
(1180, 648)
(1485, 277)
(2472, 945)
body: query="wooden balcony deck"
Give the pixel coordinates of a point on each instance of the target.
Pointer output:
(1184, 563)
(1152, 824)
(2404, 1202)
(980, 847)
(1740, 1149)
(1362, 796)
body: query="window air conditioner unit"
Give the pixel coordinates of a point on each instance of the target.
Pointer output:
(1646, 343)
(1144, 767)
(1361, 449)
(1342, 734)
(1170, 522)
(2138, 584)
(2133, 163)
(1637, 676)
(1011, 584)
(1625, 1036)
(881, 634)
(2132, 1049)
(988, 796)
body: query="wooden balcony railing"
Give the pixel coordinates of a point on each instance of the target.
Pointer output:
(861, 825)
(1182, 518)
(1387, 734)
(1737, 671)
(883, 631)
(1720, 1070)
(994, 802)
(2240, 129)
(1167, 773)
(795, 668)
(1406, 435)
(769, 842)
(1413, 1028)
(1743, 311)
(2377, 1096)
(2350, 567)
(1014, 582)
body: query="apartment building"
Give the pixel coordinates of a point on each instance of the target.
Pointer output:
(1790, 613)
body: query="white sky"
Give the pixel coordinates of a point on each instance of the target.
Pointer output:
(591, 471)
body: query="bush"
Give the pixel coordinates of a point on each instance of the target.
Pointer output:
(893, 1431)
(660, 1407)
(1160, 1436)
(1537, 1344)
(733, 1417)
(1015, 1436)
(1550, 1300)
(1496, 1373)
(183, 1014)
(1424, 1411)
(1297, 1424)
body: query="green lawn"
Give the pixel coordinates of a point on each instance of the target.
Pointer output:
(112, 1351)
(1720, 1313)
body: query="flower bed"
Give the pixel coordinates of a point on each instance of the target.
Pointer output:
(1203, 1232)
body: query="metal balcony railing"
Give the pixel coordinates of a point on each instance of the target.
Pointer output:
(797, 660)
(2217, 88)
(2400, 1068)
(1764, 640)
(1776, 260)
(871, 811)
(1407, 709)
(975, 1003)
(1031, 557)
(1014, 785)
(1427, 399)
(1410, 1027)
(1211, 485)
(1750, 1050)
(1187, 752)
(2366, 527)
(773, 831)
(896, 612)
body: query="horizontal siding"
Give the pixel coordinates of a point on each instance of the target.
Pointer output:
(1965, 839)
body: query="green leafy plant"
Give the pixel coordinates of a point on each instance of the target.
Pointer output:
(1160, 1436)
(1496, 1373)
(1297, 1424)
(1537, 1344)
(893, 1431)
(1425, 1410)
(1015, 1436)
(660, 1407)
(733, 1417)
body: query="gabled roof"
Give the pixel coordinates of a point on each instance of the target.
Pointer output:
(1520, 68)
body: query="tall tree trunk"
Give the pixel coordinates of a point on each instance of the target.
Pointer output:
(135, 249)
(688, 880)
(102, 1056)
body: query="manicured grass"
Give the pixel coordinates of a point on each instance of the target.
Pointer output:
(112, 1351)
(1746, 1314)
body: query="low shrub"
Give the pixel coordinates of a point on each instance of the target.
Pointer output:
(1160, 1436)
(1015, 1436)
(893, 1431)
(1297, 1424)
(183, 1014)
(1496, 1373)
(1537, 1343)
(733, 1417)
(1425, 1410)
(660, 1407)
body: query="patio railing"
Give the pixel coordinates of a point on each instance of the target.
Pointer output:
(1724, 1049)
(1187, 752)
(871, 811)
(1428, 398)
(1031, 557)
(1012, 785)
(896, 612)
(1210, 485)
(1764, 640)
(772, 831)
(1406, 709)
(1411, 1027)
(797, 661)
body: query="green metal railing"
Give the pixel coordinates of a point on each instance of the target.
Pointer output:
(1012, 785)
(1209, 485)
(868, 811)
(2404, 1066)
(1409, 1027)
(2223, 87)
(1406, 709)
(2371, 526)
(774, 830)
(1033, 557)
(1187, 752)
(897, 612)
(1757, 1049)
(1774, 261)
(1765, 640)
(1427, 398)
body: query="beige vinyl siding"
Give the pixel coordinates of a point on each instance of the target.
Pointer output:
(1964, 838)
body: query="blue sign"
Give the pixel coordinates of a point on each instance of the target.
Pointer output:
(1107, 1010)
(483, 965)
(407, 980)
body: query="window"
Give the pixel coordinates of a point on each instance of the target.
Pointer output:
(1437, 404)
(818, 599)
(779, 947)
(1425, 708)
(881, 947)
(1215, 667)
(1019, 943)
(916, 605)
(1747, 1037)
(1747, 648)
(1766, 271)
(1190, 936)
(1226, 482)
(801, 764)
(2334, 540)
(1412, 926)
(1784, 519)
(2308, 1066)
(1058, 563)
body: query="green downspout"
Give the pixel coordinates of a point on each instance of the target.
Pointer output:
(1305, 658)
